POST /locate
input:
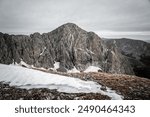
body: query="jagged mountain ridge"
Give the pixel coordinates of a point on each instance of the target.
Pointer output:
(68, 44)
(137, 52)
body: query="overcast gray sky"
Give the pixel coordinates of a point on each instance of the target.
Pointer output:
(108, 18)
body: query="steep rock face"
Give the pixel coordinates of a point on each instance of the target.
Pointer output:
(116, 61)
(75, 47)
(68, 44)
(15, 48)
(138, 54)
(133, 48)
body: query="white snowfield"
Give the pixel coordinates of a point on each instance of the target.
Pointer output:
(28, 78)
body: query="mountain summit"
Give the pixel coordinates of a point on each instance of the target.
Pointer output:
(66, 48)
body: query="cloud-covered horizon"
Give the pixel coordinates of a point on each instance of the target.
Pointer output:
(28, 16)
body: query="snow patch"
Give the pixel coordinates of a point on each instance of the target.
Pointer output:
(74, 70)
(22, 63)
(89, 51)
(28, 78)
(56, 66)
(92, 69)
(112, 52)
(112, 94)
(43, 51)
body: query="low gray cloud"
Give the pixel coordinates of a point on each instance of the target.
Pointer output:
(27, 16)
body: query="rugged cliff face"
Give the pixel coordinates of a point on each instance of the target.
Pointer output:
(116, 61)
(72, 46)
(137, 52)
(69, 45)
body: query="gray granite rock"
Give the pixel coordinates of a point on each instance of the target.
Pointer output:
(68, 44)
(136, 52)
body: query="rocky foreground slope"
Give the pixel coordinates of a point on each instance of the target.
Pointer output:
(130, 87)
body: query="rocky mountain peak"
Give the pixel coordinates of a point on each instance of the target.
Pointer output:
(69, 28)
(69, 25)
(69, 46)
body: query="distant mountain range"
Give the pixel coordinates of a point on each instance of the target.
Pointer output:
(148, 41)
(75, 48)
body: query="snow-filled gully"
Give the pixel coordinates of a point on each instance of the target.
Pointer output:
(29, 78)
